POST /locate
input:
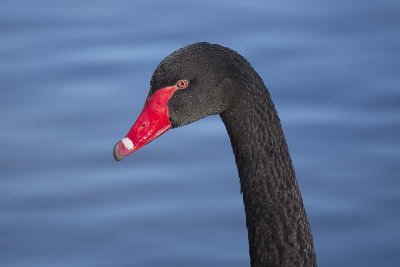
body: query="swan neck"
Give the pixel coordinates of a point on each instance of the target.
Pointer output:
(278, 230)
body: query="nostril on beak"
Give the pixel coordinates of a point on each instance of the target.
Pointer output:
(143, 125)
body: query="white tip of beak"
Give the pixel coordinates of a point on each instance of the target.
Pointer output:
(128, 143)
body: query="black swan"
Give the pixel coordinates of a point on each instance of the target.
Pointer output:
(203, 79)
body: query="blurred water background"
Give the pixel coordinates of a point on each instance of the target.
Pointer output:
(74, 76)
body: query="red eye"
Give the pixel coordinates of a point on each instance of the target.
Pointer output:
(182, 84)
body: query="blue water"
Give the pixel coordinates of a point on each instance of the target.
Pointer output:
(74, 76)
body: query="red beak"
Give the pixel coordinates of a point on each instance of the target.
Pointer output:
(152, 122)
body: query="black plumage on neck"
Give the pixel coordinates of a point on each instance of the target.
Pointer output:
(278, 230)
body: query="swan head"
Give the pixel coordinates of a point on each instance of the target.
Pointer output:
(193, 82)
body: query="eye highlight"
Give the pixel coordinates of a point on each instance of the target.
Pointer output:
(182, 84)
